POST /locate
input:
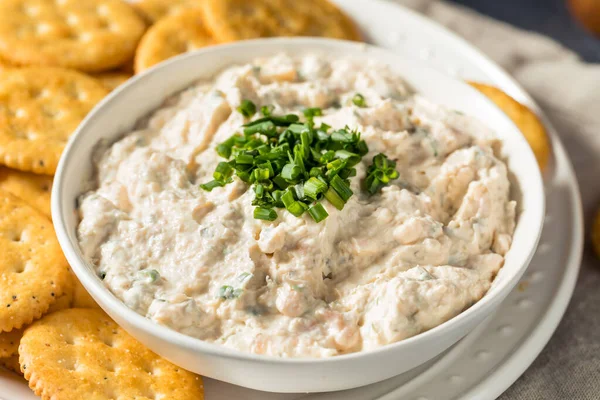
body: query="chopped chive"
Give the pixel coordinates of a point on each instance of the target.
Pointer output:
(312, 112)
(359, 100)
(362, 148)
(261, 174)
(380, 173)
(299, 191)
(259, 190)
(313, 187)
(152, 275)
(266, 214)
(267, 110)
(297, 208)
(265, 127)
(291, 172)
(223, 172)
(342, 136)
(244, 158)
(247, 108)
(277, 195)
(209, 186)
(318, 212)
(227, 292)
(334, 198)
(341, 188)
(351, 158)
(288, 198)
(280, 182)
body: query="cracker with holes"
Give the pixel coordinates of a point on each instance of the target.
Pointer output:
(231, 20)
(171, 36)
(83, 354)
(39, 109)
(525, 119)
(11, 364)
(33, 270)
(32, 188)
(88, 35)
(153, 10)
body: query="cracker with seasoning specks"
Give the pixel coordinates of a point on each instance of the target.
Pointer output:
(33, 270)
(83, 354)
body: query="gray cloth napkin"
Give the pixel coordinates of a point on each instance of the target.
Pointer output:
(569, 92)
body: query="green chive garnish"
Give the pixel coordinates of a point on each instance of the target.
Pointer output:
(380, 173)
(312, 112)
(209, 186)
(342, 188)
(267, 110)
(334, 198)
(266, 214)
(313, 187)
(292, 164)
(247, 108)
(318, 212)
(359, 100)
(227, 292)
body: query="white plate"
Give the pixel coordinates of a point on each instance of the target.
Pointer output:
(491, 358)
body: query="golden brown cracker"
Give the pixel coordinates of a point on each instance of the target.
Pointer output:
(81, 297)
(88, 35)
(39, 109)
(33, 270)
(65, 300)
(32, 188)
(525, 119)
(12, 364)
(112, 80)
(83, 354)
(153, 10)
(231, 20)
(171, 36)
(9, 342)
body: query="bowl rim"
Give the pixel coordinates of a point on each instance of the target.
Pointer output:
(97, 289)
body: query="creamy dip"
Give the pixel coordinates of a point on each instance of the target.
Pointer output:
(383, 269)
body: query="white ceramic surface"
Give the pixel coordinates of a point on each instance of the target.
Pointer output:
(117, 115)
(487, 360)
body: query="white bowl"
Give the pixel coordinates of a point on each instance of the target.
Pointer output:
(117, 115)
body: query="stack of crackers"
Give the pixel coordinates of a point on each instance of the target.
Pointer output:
(58, 59)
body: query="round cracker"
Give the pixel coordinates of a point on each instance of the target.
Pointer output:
(83, 354)
(171, 36)
(231, 20)
(154, 10)
(525, 119)
(112, 80)
(11, 364)
(32, 188)
(89, 35)
(9, 342)
(33, 270)
(39, 109)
